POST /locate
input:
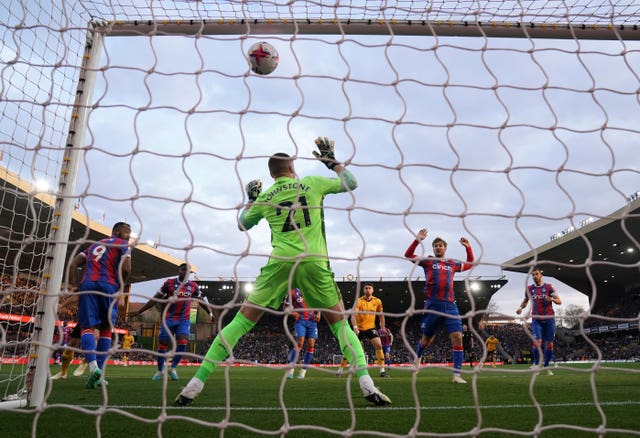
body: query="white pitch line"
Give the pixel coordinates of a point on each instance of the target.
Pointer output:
(388, 408)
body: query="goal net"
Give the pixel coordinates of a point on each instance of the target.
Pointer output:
(496, 120)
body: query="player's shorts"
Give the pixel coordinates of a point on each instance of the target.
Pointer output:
(313, 278)
(544, 329)
(97, 310)
(368, 334)
(169, 327)
(306, 328)
(431, 321)
(386, 349)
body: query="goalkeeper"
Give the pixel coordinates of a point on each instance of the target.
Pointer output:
(293, 209)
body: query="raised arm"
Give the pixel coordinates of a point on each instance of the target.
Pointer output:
(464, 242)
(327, 156)
(410, 252)
(253, 189)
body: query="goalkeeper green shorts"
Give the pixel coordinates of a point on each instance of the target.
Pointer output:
(313, 278)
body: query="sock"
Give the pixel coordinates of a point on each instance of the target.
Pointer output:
(88, 343)
(292, 355)
(308, 357)
(104, 343)
(219, 349)
(380, 359)
(162, 350)
(67, 357)
(181, 348)
(419, 350)
(536, 356)
(547, 356)
(457, 355)
(350, 346)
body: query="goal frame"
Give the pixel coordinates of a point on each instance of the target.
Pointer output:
(44, 324)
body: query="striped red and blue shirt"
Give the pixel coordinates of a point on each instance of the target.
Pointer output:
(439, 273)
(181, 309)
(539, 304)
(297, 301)
(103, 260)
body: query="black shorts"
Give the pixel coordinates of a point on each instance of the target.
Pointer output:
(368, 334)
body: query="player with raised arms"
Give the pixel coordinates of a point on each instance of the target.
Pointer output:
(293, 208)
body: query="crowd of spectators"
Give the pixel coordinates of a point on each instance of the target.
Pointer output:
(267, 342)
(19, 297)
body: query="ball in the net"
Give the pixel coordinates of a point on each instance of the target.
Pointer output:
(263, 58)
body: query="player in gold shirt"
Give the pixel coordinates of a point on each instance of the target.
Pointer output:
(492, 344)
(364, 325)
(127, 343)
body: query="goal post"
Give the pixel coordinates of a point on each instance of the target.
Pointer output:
(62, 214)
(585, 30)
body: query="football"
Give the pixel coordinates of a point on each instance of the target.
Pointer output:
(263, 58)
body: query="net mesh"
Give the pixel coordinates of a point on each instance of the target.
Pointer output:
(423, 114)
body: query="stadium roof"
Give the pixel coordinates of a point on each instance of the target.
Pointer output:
(25, 221)
(395, 294)
(602, 255)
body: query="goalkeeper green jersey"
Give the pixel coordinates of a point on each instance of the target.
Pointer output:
(293, 209)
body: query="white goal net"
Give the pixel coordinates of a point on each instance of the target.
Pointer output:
(501, 121)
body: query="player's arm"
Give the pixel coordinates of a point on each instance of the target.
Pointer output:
(317, 316)
(555, 298)
(78, 262)
(326, 155)
(410, 253)
(206, 306)
(523, 305)
(247, 221)
(464, 242)
(149, 304)
(381, 319)
(354, 323)
(125, 266)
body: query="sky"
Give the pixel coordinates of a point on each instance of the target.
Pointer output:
(502, 141)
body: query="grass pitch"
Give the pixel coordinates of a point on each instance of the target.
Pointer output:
(255, 401)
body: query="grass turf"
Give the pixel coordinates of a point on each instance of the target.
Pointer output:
(503, 401)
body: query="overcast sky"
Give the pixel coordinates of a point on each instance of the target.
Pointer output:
(482, 138)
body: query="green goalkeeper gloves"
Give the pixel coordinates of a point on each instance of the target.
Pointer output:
(253, 189)
(326, 155)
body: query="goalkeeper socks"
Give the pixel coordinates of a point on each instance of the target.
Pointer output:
(223, 344)
(350, 346)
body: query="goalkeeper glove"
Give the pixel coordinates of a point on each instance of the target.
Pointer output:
(253, 189)
(326, 155)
